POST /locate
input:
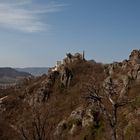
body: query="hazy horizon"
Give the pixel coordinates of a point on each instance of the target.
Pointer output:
(38, 33)
(30, 67)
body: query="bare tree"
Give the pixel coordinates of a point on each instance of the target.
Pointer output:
(102, 95)
(37, 130)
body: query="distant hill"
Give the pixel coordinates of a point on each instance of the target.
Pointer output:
(10, 75)
(36, 71)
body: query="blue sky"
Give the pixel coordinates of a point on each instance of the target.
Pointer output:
(40, 32)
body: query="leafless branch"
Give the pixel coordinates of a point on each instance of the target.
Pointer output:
(37, 130)
(109, 90)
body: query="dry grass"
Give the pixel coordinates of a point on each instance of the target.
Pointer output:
(63, 101)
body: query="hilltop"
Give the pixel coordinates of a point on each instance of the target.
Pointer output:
(77, 100)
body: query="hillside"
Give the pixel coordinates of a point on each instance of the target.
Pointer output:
(77, 100)
(10, 75)
(36, 71)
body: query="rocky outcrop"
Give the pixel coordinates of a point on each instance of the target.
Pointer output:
(64, 73)
(125, 64)
(69, 116)
(63, 69)
(88, 119)
(135, 57)
(61, 127)
(42, 93)
(80, 117)
(73, 58)
(65, 76)
(123, 73)
(120, 73)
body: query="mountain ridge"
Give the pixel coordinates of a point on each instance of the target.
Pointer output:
(36, 71)
(75, 98)
(10, 75)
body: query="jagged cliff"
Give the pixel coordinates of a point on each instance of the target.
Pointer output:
(75, 101)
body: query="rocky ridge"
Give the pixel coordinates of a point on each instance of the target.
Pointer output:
(59, 95)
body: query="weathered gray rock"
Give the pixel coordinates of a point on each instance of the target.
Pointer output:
(74, 129)
(77, 114)
(123, 93)
(126, 81)
(73, 58)
(138, 76)
(80, 117)
(60, 128)
(125, 64)
(106, 70)
(111, 69)
(65, 76)
(107, 83)
(88, 119)
(134, 71)
(135, 57)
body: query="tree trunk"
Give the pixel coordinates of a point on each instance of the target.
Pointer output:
(113, 133)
